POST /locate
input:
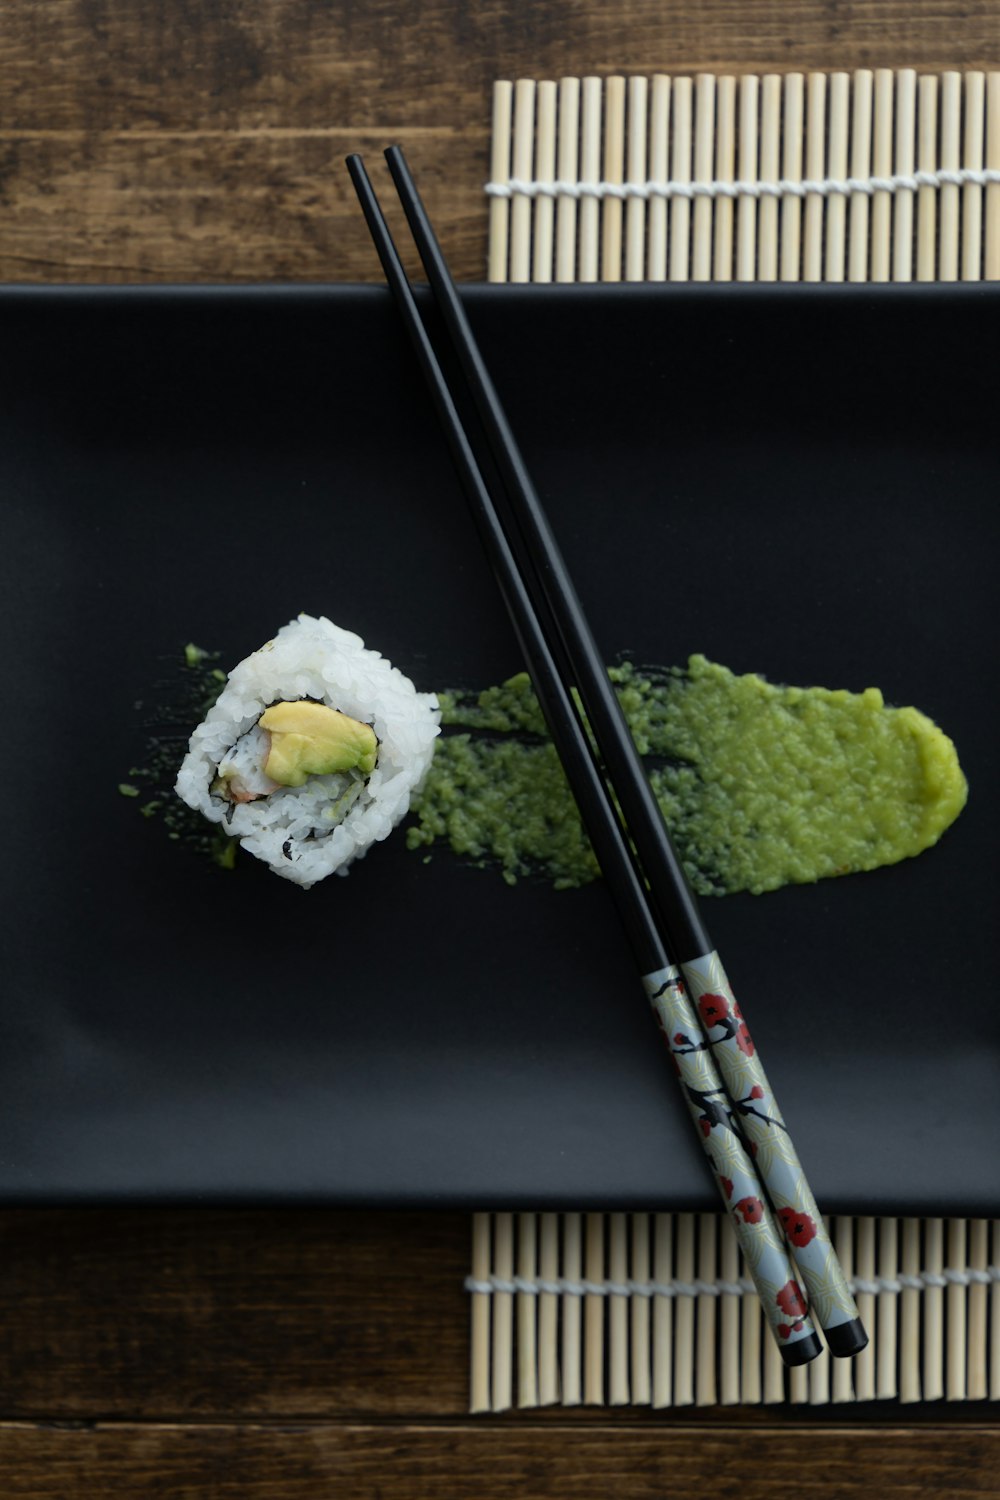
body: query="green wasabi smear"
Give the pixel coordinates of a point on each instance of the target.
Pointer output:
(761, 786)
(183, 700)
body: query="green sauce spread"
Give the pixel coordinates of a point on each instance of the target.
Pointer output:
(181, 703)
(761, 786)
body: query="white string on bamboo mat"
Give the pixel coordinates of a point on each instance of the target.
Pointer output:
(871, 176)
(562, 1287)
(656, 1310)
(785, 187)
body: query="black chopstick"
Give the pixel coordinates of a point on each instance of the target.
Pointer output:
(681, 924)
(542, 592)
(561, 714)
(541, 562)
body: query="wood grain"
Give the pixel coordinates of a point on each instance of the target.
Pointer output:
(507, 1462)
(175, 141)
(137, 1313)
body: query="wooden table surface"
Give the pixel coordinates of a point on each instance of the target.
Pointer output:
(197, 1352)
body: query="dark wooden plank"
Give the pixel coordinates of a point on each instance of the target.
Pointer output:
(139, 1313)
(261, 206)
(147, 142)
(106, 65)
(494, 1462)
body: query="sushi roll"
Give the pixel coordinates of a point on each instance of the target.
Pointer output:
(311, 751)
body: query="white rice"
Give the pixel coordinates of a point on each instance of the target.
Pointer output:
(306, 833)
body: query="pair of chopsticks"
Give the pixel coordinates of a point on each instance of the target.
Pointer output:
(751, 1153)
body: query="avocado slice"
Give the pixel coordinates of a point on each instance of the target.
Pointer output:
(309, 739)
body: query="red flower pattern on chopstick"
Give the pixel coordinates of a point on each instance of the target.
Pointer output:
(794, 1305)
(744, 1040)
(713, 1009)
(751, 1208)
(799, 1227)
(718, 1013)
(791, 1300)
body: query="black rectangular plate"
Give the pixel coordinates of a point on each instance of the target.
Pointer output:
(800, 482)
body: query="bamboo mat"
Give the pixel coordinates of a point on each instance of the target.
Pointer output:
(656, 1310)
(871, 176)
(876, 176)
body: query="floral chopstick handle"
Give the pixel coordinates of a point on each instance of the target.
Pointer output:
(722, 1023)
(757, 1232)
